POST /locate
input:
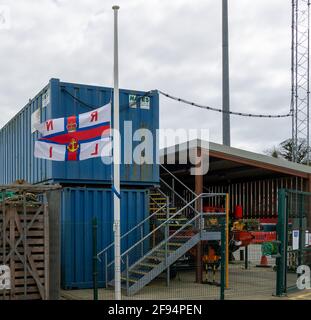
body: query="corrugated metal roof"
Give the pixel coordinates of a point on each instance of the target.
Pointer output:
(239, 155)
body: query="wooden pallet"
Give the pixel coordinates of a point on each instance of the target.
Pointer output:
(24, 247)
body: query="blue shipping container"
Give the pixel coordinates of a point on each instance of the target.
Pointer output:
(79, 206)
(59, 99)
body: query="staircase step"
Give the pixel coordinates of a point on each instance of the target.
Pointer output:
(184, 237)
(163, 215)
(149, 265)
(163, 251)
(179, 225)
(175, 244)
(155, 258)
(144, 272)
(130, 279)
(138, 272)
(159, 205)
(171, 210)
(173, 219)
(158, 199)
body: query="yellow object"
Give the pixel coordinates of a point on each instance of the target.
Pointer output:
(238, 226)
(227, 240)
(212, 221)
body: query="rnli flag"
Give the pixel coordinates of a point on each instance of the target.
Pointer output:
(76, 137)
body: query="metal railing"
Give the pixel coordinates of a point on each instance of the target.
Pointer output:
(179, 192)
(140, 225)
(160, 235)
(178, 180)
(139, 256)
(183, 200)
(160, 209)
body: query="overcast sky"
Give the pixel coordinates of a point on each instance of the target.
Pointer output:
(171, 45)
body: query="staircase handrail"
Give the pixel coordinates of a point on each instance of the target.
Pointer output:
(176, 193)
(160, 191)
(176, 232)
(131, 230)
(163, 224)
(156, 212)
(170, 173)
(163, 242)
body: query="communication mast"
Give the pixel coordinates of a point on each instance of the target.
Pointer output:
(300, 75)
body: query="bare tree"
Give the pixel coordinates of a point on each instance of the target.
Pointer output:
(285, 150)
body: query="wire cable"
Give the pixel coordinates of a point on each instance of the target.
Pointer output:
(242, 114)
(79, 100)
(138, 98)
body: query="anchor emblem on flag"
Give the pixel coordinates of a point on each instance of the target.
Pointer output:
(73, 145)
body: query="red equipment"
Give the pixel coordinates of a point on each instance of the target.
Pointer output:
(238, 212)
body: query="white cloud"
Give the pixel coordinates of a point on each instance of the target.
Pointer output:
(171, 45)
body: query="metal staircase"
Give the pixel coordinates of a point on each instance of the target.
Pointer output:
(169, 246)
(157, 200)
(166, 235)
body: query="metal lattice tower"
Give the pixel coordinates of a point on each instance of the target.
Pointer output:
(300, 74)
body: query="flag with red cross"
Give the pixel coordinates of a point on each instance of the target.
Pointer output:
(74, 138)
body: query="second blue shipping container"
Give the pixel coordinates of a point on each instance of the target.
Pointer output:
(79, 207)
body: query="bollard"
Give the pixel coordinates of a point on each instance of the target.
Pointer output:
(246, 257)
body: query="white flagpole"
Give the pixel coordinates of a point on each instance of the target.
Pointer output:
(116, 162)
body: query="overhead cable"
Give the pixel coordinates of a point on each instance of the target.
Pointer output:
(242, 114)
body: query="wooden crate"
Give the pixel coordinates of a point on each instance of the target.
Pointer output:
(24, 247)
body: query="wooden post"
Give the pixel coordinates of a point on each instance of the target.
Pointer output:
(11, 215)
(54, 225)
(46, 251)
(199, 190)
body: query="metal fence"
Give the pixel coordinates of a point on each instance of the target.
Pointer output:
(164, 262)
(154, 268)
(249, 277)
(294, 224)
(171, 256)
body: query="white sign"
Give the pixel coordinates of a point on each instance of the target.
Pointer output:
(295, 239)
(5, 277)
(132, 101)
(45, 98)
(35, 120)
(145, 103)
